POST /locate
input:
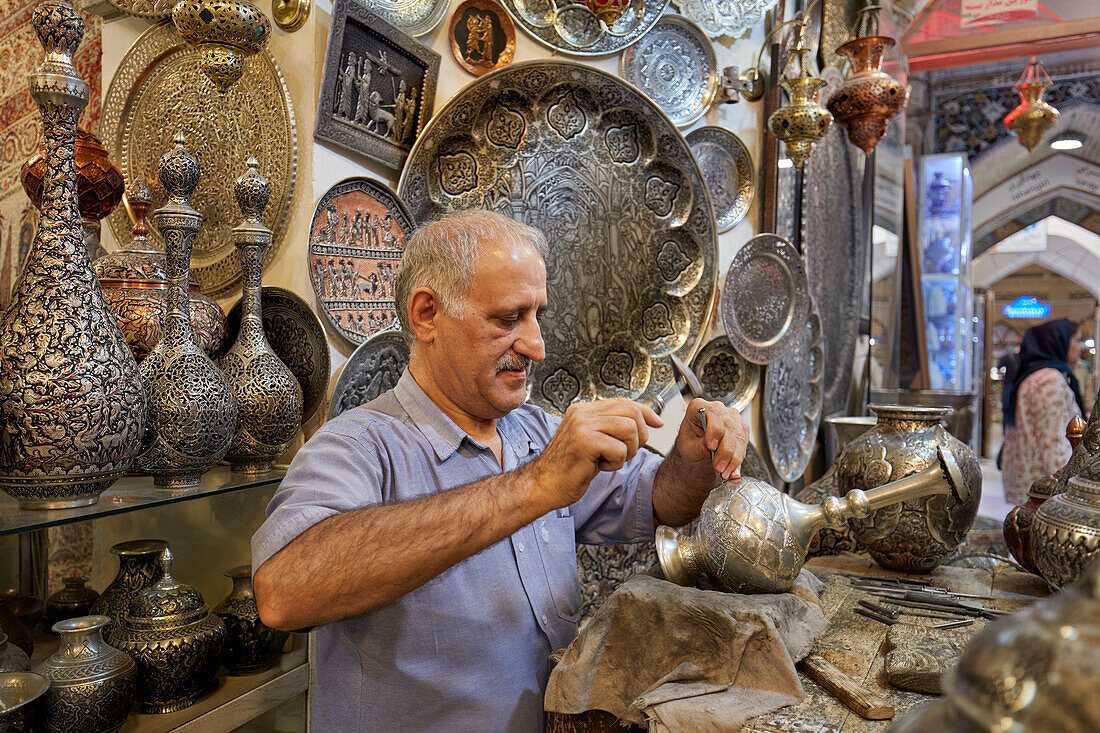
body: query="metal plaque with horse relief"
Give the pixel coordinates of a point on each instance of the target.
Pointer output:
(378, 88)
(356, 240)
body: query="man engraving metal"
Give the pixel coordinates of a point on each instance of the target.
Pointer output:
(428, 537)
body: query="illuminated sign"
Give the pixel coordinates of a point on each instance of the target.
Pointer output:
(1026, 306)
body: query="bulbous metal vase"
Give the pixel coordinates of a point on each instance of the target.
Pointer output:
(1065, 532)
(138, 569)
(752, 538)
(250, 645)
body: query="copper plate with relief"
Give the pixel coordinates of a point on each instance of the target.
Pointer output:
(726, 376)
(483, 36)
(355, 243)
(727, 168)
(792, 400)
(586, 158)
(373, 369)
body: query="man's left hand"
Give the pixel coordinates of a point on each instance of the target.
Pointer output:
(726, 437)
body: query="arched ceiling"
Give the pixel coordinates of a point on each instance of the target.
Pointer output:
(1065, 256)
(1060, 203)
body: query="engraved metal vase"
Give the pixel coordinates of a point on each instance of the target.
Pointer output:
(12, 658)
(269, 398)
(225, 32)
(1065, 533)
(72, 406)
(21, 701)
(752, 538)
(91, 682)
(135, 282)
(176, 642)
(75, 599)
(250, 645)
(1036, 670)
(192, 410)
(138, 569)
(802, 120)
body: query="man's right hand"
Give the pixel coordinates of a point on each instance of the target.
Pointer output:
(593, 437)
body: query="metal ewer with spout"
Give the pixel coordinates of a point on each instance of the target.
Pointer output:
(752, 538)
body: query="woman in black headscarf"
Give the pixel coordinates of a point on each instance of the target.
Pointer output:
(1039, 401)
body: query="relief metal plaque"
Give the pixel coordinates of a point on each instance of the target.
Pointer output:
(727, 168)
(373, 369)
(792, 401)
(584, 157)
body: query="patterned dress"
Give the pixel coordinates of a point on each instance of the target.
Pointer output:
(1037, 444)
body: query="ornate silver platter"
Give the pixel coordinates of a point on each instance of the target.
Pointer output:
(598, 167)
(756, 466)
(792, 401)
(356, 238)
(573, 28)
(159, 90)
(727, 168)
(674, 65)
(726, 17)
(726, 376)
(764, 298)
(415, 17)
(298, 338)
(373, 368)
(155, 9)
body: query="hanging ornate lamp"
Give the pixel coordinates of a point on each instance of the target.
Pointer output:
(869, 97)
(802, 120)
(225, 31)
(1032, 117)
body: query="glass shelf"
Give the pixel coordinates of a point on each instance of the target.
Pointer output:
(129, 494)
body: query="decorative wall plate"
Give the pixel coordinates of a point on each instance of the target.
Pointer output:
(764, 298)
(727, 168)
(483, 36)
(159, 90)
(674, 65)
(726, 17)
(154, 9)
(298, 338)
(572, 27)
(356, 238)
(415, 17)
(726, 375)
(792, 401)
(373, 368)
(599, 168)
(756, 466)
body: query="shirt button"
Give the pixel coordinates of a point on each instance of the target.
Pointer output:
(545, 533)
(519, 547)
(545, 621)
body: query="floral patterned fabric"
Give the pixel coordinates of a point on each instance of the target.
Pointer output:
(1037, 444)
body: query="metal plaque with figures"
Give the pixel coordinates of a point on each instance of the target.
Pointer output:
(355, 243)
(378, 87)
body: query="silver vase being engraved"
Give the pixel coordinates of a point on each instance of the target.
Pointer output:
(250, 645)
(269, 398)
(91, 682)
(752, 538)
(1036, 670)
(1065, 533)
(192, 410)
(175, 640)
(138, 568)
(914, 536)
(72, 406)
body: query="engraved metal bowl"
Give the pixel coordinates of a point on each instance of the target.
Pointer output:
(674, 64)
(21, 701)
(728, 170)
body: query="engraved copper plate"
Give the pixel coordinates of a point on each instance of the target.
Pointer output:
(674, 65)
(726, 376)
(355, 243)
(727, 168)
(764, 298)
(599, 168)
(572, 28)
(298, 339)
(415, 17)
(158, 90)
(792, 401)
(482, 35)
(373, 368)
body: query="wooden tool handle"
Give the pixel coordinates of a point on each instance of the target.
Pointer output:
(862, 701)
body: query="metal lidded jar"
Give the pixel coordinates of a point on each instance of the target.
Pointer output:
(1065, 533)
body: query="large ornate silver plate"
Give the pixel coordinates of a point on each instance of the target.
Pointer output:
(674, 65)
(764, 298)
(159, 90)
(373, 369)
(792, 401)
(600, 169)
(726, 376)
(727, 168)
(756, 466)
(298, 339)
(572, 28)
(415, 17)
(726, 17)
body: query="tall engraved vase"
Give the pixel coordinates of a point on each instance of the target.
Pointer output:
(72, 406)
(192, 410)
(269, 398)
(916, 535)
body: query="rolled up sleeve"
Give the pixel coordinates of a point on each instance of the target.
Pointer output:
(617, 509)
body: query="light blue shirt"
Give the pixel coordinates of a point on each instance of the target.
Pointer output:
(466, 651)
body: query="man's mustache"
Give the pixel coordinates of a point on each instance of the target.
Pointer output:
(513, 361)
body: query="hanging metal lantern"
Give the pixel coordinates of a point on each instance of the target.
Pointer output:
(802, 120)
(1032, 117)
(869, 97)
(225, 32)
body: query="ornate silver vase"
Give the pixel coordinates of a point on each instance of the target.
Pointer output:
(269, 398)
(916, 535)
(72, 405)
(138, 569)
(175, 640)
(1065, 533)
(75, 599)
(250, 646)
(193, 412)
(12, 658)
(91, 683)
